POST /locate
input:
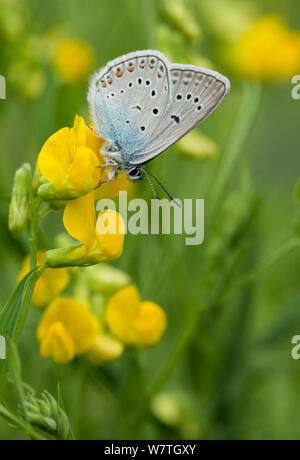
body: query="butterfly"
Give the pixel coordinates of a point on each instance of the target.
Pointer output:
(141, 104)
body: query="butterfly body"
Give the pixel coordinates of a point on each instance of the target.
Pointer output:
(141, 104)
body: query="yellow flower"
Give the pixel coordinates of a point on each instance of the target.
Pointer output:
(50, 285)
(69, 160)
(73, 61)
(67, 329)
(101, 238)
(134, 322)
(268, 51)
(104, 350)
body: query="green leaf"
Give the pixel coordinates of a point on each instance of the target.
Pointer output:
(13, 314)
(8, 415)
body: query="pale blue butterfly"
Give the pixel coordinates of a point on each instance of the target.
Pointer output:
(141, 104)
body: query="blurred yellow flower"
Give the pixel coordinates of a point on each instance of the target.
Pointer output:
(73, 61)
(50, 285)
(102, 238)
(104, 350)
(69, 160)
(268, 51)
(198, 146)
(67, 329)
(134, 322)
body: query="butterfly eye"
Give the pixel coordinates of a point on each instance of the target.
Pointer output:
(134, 172)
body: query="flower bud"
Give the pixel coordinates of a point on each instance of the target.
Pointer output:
(19, 210)
(46, 414)
(63, 425)
(106, 279)
(104, 350)
(37, 181)
(183, 18)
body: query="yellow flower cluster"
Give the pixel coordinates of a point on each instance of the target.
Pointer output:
(69, 162)
(268, 51)
(133, 322)
(68, 172)
(67, 175)
(68, 328)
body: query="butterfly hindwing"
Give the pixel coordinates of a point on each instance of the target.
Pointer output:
(128, 98)
(194, 93)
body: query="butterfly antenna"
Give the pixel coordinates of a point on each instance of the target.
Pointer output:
(150, 183)
(161, 185)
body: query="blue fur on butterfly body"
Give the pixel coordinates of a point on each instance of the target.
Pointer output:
(123, 135)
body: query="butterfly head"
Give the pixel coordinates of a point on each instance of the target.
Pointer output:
(135, 174)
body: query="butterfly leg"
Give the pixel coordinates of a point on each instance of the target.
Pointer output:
(91, 128)
(109, 179)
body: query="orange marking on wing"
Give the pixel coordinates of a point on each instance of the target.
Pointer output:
(103, 84)
(110, 81)
(142, 66)
(131, 69)
(119, 74)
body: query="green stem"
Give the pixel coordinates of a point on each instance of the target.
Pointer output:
(24, 426)
(79, 395)
(33, 239)
(44, 212)
(188, 332)
(34, 231)
(244, 121)
(265, 265)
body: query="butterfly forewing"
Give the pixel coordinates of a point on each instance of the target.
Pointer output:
(129, 97)
(194, 94)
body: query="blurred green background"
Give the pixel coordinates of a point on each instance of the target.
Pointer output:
(227, 372)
